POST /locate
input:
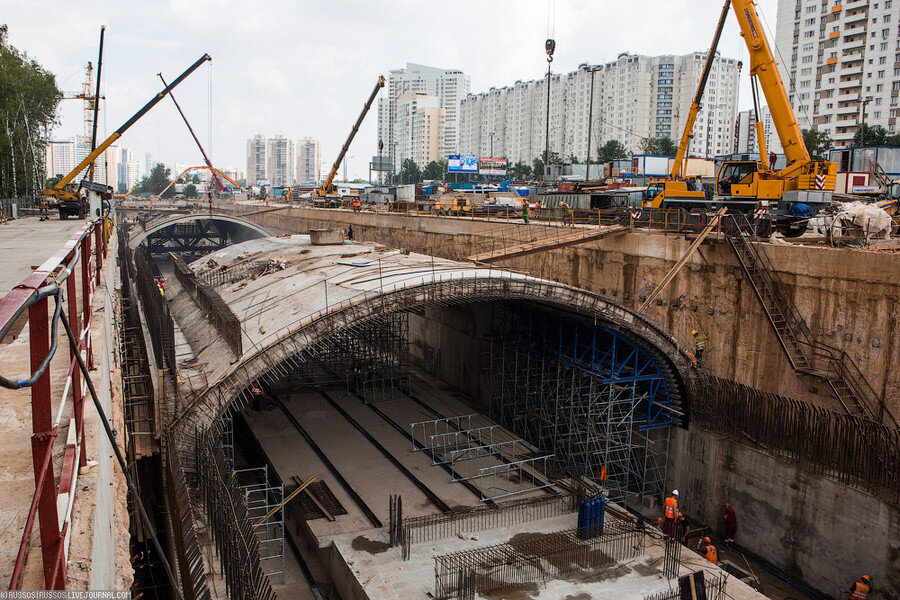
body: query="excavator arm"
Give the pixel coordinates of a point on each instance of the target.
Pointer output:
(327, 186)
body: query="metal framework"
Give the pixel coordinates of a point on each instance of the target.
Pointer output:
(466, 573)
(261, 498)
(597, 400)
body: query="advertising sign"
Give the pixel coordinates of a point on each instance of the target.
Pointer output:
(462, 164)
(492, 166)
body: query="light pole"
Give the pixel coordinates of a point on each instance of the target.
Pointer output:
(587, 172)
(862, 131)
(380, 165)
(393, 163)
(549, 47)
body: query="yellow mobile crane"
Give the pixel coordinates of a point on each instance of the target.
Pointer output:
(794, 192)
(73, 198)
(327, 188)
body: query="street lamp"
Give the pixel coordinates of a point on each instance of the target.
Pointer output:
(587, 173)
(549, 47)
(393, 163)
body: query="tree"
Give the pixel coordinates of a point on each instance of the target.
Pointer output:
(195, 178)
(190, 191)
(520, 171)
(537, 168)
(663, 146)
(818, 143)
(892, 141)
(611, 150)
(409, 172)
(433, 171)
(157, 181)
(870, 136)
(573, 160)
(28, 100)
(52, 181)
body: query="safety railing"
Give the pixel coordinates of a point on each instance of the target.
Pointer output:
(72, 273)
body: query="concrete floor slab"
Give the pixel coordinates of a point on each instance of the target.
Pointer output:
(26, 243)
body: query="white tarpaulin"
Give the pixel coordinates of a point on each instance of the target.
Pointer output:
(871, 219)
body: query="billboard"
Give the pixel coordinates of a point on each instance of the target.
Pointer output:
(492, 166)
(462, 164)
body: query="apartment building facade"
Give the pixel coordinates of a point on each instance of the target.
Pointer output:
(840, 60)
(449, 86)
(745, 132)
(280, 161)
(256, 160)
(634, 97)
(309, 161)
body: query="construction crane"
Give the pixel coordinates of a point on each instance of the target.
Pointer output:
(791, 194)
(327, 187)
(76, 198)
(215, 176)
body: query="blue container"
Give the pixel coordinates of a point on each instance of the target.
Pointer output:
(592, 516)
(601, 514)
(582, 519)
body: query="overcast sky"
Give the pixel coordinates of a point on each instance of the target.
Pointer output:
(302, 68)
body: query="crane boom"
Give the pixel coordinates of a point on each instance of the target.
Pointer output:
(90, 175)
(327, 186)
(764, 67)
(215, 177)
(59, 188)
(698, 97)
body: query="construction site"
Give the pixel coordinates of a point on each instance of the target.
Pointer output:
(315, 397)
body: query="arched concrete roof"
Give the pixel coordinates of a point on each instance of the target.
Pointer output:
(252, 229)
(344, 285)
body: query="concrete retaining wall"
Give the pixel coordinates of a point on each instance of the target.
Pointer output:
(816, 530)
(848, 297)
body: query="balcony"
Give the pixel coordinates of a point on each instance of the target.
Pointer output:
(836, 9)
(834, 35)
(831, 61)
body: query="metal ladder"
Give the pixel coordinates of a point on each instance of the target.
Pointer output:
(847, 383)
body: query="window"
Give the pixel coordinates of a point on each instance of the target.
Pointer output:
(882, 60)
(880, 74)
(886, 18)
(807, 59)
(879, 87)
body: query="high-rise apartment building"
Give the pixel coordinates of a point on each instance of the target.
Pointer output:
(256, 160)
(745, 132)
(280, 161)
(60, 157)
(840, 60)
(635, 97)
(417, 129)
(449, 86)
(309, 161)
(149, 162)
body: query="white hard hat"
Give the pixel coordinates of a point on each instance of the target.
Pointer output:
(674, 492)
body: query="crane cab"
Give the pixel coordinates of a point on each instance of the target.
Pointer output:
(746, 180)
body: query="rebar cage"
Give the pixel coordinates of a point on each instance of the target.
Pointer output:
(596, 399)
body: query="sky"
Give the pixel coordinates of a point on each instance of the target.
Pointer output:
(302, 68)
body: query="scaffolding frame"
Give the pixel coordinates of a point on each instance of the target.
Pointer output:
(268, 524)
(422, 431)
(593, 397)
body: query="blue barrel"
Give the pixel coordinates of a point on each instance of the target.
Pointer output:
(582, 519)
(592, 516)
(601, 514)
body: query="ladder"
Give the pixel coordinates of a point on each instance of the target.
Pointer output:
(847, 383)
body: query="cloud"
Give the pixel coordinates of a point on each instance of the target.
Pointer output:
(302, 67)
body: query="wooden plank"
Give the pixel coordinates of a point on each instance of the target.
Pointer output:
(548, 244)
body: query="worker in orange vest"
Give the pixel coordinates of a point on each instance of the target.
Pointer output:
(670, 514)
(860, 589)
(709, 551)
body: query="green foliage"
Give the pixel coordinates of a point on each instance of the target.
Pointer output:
(52, 181)
(242, 182)
(818, 143)
(611, 150)
(433, 171)
(659, 146)
(520, 171)
(28, 99)
(573, 160)
(157, 181)
(195, 178)
(875, 136)
(190, 191)
(537, 168)
(409, 172)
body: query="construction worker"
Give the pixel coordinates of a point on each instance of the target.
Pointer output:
(670, 514)
(699, 347)
(709, 550)
(860, 590)
(730, 523)
(357, 206)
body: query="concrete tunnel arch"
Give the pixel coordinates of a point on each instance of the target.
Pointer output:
(243, 229)
(200, 411)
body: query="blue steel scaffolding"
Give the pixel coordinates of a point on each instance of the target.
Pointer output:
(596, 399)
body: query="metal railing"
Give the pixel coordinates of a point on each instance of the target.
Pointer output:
(73, 272)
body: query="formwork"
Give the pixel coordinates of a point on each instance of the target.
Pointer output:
(595, 399)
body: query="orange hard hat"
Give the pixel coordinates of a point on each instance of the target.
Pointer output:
(707, 540)
(865, 578)
(728, 504)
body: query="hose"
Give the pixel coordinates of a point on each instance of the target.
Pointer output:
(51, 289)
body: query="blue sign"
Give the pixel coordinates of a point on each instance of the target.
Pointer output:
(462, 164)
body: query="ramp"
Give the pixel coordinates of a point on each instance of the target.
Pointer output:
(550, 243)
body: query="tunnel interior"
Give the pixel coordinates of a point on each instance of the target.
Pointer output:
(573, 396)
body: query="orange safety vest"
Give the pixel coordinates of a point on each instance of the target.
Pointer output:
(860, 591)
(256, 390)
(671, 507)
(712, 555)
